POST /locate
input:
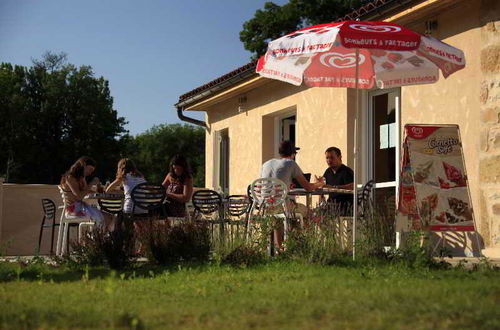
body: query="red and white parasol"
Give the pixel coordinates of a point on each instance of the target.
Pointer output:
(389, 56)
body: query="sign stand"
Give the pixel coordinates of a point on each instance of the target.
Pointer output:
(433, 191)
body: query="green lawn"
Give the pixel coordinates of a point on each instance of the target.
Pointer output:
(275, 295)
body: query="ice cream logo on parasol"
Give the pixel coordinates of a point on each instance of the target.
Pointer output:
(375, 28)
(341, 61)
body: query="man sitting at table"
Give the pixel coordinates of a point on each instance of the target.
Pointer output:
(340, 176)
(285, 168)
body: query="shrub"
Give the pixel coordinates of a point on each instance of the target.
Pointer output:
(375, 231)
(244, 256)
(167, 244)
(98, 247)
(321, 241)
(414, 254)
(234, 249)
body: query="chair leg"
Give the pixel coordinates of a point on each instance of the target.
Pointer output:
(285, 223)
(59, 235)
(52, 236)
(68, 232)
(40, 235)
(64, 237)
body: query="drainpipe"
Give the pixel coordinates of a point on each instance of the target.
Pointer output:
(1, 206)
(189, 119)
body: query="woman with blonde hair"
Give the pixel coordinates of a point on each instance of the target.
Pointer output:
(127, 176)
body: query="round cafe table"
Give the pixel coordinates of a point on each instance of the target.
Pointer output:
(112, 196)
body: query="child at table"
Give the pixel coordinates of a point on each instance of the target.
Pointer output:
(127, 176)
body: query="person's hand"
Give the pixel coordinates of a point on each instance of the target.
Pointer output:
(95, 180)
(319, 178)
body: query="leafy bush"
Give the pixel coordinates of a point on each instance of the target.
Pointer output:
(317, 243)
(244, 256)
(98, 247)
(167, 244)
(414, 254)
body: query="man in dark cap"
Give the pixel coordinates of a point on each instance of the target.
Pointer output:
(285, 168)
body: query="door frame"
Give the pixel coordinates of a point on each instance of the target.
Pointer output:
(368, 151)
(277, 127)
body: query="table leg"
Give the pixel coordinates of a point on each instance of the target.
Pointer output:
(308, 206)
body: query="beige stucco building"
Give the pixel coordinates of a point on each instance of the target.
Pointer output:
(247, 116)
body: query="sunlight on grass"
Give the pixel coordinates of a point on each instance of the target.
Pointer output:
(276, 295)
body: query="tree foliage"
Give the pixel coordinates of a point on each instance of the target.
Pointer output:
(275, 21)
(153, 149)
(52, 113)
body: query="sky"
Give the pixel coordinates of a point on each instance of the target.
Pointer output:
(150, 51)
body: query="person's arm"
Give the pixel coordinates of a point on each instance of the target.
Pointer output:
(74, 186)
(115, 185)
(299, 176)
(166, 181)
(186, 194)
(348, 186)
(348, 181)
(308, 185)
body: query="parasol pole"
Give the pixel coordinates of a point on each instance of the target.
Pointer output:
(356, 167)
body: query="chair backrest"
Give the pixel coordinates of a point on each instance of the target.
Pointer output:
(365, 193)
(49, 208)
(148, 196)
(268, 192)
(113, 206)
(64, 195)
(206, 201)
(364, 197)
(237, 205)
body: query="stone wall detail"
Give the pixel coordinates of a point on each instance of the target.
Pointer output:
(489, 141)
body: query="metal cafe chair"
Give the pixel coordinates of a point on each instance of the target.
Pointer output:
(48, 221)
(208, 208)
(268, 193)
(148, 197)
(111, 206)
(364, 199)
(236, 211)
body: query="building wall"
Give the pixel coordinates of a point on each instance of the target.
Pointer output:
(489, 134)
(320, 113)
(20, 218)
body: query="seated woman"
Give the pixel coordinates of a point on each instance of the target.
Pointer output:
(127, 176)
(75, 188)
(179, 186)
